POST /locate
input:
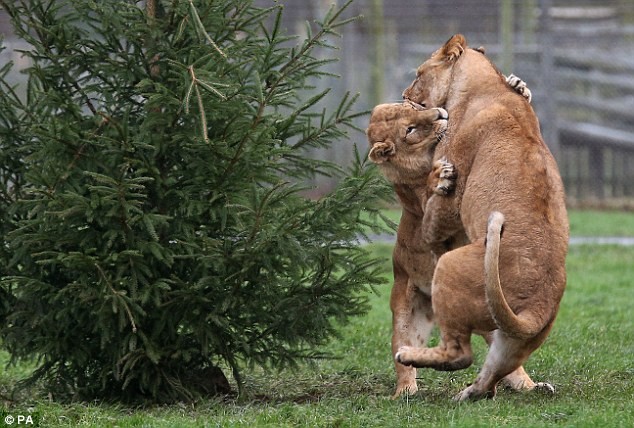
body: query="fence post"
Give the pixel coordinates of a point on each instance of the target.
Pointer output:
(377, 24)
(596, 168)
(506, 32)
(548, 118)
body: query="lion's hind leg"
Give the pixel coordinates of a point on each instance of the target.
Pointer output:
(503, 361)
(504, 357)
(454, 354)
(411, 326)
(457, 300)
(412, 322)
(518, 380)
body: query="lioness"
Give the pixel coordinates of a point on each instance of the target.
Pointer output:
(402, 139)
(507, 180)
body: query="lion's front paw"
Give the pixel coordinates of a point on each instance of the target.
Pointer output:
(447, 175)
(520, 86)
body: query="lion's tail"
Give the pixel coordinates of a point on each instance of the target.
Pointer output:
(521, 326)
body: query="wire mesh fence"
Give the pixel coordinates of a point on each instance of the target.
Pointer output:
(577, 57)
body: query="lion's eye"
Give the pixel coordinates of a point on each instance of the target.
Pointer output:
(410, 129)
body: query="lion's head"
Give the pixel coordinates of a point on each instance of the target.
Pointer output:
(403, 137)
(433, 77)
(454, 70)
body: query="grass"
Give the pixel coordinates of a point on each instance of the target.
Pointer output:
(588, 357)
(601, 223)
(582, 222)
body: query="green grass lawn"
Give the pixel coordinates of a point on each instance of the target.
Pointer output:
(601, 223)
(582, 222)
(589, 357)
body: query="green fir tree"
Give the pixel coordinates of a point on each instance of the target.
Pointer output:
(152, 211)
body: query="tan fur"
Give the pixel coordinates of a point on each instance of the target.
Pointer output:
(502, 166)
(403, 156)
(406, 160)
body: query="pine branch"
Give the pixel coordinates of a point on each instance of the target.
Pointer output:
(118, 295)
(201, 28)
(142, 254)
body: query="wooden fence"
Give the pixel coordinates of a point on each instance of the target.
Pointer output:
(595, 102)
(577, 58)
(592, 97)
(579, 62)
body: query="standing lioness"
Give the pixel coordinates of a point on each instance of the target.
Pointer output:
(507, 180)
(402, 138)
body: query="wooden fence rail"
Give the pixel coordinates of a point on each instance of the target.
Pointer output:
(577, 58)
(595, 122)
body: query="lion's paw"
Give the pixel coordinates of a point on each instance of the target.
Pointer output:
(404, 355)
(520, 86)
(405, 389)
(471, 393)
(462, 395)
(413, 105)
(447, 175)
(381, 152)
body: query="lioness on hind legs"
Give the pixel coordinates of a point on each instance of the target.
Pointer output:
(402, 138)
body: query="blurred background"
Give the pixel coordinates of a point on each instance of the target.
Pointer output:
(577, 57)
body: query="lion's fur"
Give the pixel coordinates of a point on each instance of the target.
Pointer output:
(503, 165)
(407, 165)
(405, 159)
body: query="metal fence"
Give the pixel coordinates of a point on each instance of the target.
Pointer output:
(576, 56)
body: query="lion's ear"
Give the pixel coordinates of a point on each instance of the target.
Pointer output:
(381, 152)
(454, 47)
